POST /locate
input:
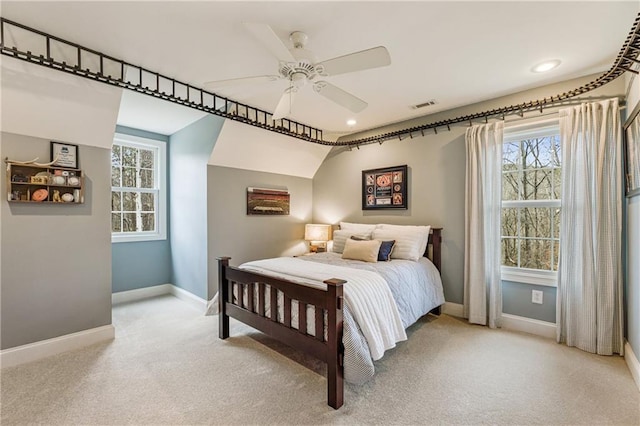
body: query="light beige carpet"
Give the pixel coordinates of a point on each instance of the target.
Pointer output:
(167, 366)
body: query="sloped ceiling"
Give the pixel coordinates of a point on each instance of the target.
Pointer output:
(40, 102)
(250, 148)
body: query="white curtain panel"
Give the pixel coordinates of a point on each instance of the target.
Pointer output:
(590, 287)
(482, 285)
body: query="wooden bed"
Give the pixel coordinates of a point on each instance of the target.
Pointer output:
(328, 305)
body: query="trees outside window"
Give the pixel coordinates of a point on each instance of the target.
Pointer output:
(531, 173)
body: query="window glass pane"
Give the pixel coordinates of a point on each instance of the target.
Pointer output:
(510, 191)
(537, 184)
(511, 156)
(146, 178)
(556, 223)
(555, 150)
(116, 201)
(116, 218)
(535, 222)
(115, 156)
(129, 156)
(115, 176)
(509, 252)
(556, 255)
(536, 154)
(129, 177)
(557, 187)
(129, 201)
(146, 159)
(510, 222)
(129, 222)
(148, 222)
(148, 202)
(535, 254)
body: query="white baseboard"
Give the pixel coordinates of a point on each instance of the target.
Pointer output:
(44, 348)
(529, 325)
(632, 363)
(195, 301)
(159, 290)
(453, 309)
(140, 293)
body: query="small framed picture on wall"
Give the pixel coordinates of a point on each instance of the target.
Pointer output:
(64, 155)
(385, 188)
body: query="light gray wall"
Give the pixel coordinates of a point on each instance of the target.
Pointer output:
(633, 243)
(189, 151)
(142, 263)
(516, 299)
(436, 185)
(56, 259)
(233, 233)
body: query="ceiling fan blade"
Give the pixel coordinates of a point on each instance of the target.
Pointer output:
(339, 96)
(284, 105)
(357, 61)
(217, 84)
(264, 34)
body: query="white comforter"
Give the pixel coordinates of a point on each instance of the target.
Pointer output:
(366, 294)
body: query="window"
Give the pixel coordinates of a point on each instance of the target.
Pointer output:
(138, 196)
(531, 173)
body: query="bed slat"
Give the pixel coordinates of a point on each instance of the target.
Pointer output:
(274, 304)
(287, 311)
(302, 317)
(319, 324)
(261, 300)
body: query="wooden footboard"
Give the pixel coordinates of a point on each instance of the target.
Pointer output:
(252, 311)
(259, 309)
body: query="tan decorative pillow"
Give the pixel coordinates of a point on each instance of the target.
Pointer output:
(340, 237)
(366, 251)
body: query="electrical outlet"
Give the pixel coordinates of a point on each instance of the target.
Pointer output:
(536, 296)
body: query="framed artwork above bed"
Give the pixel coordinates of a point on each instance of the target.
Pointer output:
(385, 188)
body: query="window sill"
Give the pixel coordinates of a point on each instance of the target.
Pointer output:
(530, 276)
(136, 238)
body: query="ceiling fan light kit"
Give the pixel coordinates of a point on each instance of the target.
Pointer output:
(299, 66)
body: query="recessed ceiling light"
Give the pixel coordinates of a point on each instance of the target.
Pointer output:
(351, 122)
(546, 66)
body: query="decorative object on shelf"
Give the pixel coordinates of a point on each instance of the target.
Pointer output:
(58, 180)
(39, 195)
(18, 177)
(64, 155)
(632, 152)
(261, 201)
(317, 235)
(56, 196)
(385, 188)
(73, 180)
(40, 179)
(67, 197)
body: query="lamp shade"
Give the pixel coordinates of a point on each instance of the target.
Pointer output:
(317, 232)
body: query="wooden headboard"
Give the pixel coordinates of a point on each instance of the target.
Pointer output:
(435, 241)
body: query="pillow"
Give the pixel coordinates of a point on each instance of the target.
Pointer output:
(386, 247)
(357, 227)
(411, 241)
(340, 236)
(361, 250)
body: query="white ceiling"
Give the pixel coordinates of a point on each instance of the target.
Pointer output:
(454, 52)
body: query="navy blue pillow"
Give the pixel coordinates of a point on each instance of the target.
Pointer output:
(384, 255)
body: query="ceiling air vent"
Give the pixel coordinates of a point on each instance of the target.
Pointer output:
(425, 104)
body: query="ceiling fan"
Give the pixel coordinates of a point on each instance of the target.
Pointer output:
(299, 66)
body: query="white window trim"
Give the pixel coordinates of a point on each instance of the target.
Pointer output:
(530, 276)
(161, 233)
(524, 275)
